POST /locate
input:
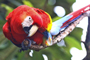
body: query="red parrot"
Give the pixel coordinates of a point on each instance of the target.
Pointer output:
(28, 23)
(35, 25)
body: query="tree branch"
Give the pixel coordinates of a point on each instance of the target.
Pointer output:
(87, 42)
(45, 4)
(61, 36)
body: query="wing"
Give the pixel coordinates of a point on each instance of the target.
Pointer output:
(76, 15)
(65, 21)
(7, 31)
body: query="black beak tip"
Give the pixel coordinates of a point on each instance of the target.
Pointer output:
(26, 29)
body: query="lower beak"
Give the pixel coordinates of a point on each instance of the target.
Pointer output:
(33, 30)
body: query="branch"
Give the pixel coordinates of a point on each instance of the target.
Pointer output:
(62, 35)
(45, 4)
(87, 42)
(68, 30)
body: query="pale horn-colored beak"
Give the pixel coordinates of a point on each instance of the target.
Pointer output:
(33, 30)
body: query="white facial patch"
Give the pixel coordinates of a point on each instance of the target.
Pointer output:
(27, 22)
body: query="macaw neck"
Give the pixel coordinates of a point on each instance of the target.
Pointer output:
(47, 22)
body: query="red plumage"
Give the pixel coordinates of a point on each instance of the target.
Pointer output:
(13, 29)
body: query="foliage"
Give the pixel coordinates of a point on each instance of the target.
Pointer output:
(27, 3)
(56, 18)
(8, 8)
(10, 52)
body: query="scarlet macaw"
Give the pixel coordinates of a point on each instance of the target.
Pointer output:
(35, 25)
(28, 23)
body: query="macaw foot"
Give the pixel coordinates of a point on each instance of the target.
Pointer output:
(25, 45)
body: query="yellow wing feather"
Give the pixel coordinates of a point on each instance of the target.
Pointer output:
(49, 24)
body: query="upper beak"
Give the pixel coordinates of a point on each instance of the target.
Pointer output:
(31, 30)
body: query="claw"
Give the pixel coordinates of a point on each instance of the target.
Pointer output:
(25, 45)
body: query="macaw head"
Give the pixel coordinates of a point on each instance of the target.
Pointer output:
(25, 18)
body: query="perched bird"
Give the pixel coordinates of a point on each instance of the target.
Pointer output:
(28, 23)
(35, 25)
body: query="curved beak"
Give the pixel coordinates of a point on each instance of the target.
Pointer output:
(33, 30)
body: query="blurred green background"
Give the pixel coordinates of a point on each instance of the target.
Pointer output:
(10, 52)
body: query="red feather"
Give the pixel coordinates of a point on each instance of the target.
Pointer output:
(13, 29)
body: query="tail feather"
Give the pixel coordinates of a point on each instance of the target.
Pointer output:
(65, 21)
(62, 20)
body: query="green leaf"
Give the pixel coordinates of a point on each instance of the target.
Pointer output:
(4, 54)
(2, 22)
(37, 55)
(56, 18)
(15, 2)
(4, 44)
(76, 33)
(20, 55)
(8, 8)
(56, 53)
(28, 3)
(70, 1)
(72, 42)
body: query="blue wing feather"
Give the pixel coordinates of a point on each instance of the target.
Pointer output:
(56, 27)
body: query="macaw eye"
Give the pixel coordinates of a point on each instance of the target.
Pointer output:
(30, 18)
(27, 21)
